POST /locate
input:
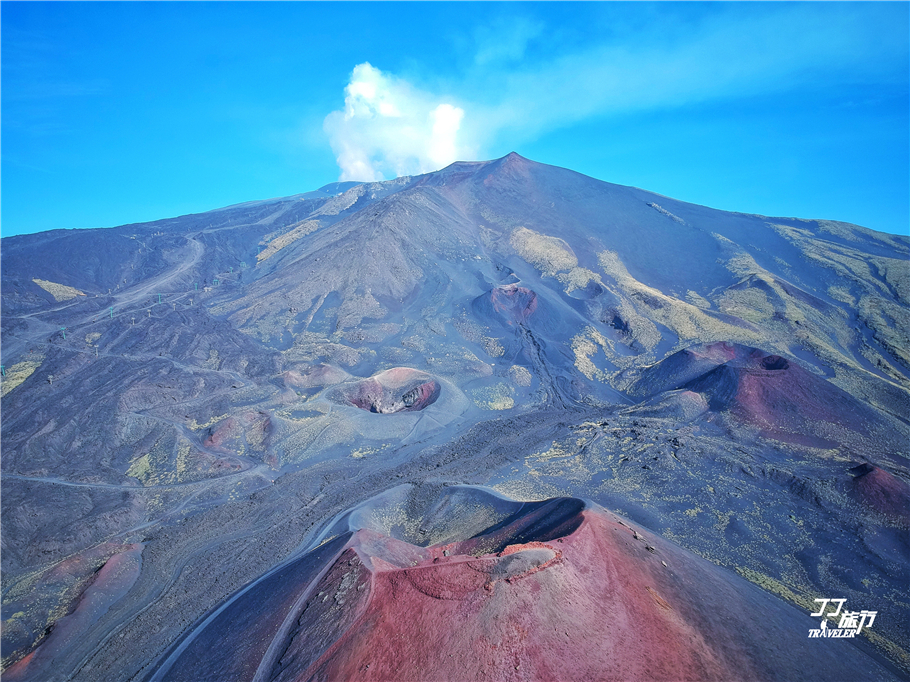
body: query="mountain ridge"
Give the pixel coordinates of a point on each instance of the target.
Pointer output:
(202, 394)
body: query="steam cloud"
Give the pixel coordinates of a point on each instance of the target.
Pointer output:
(389, 128)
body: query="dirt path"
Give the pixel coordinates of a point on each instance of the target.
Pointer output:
(155, 284)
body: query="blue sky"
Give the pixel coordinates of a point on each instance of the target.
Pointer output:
(124, 112)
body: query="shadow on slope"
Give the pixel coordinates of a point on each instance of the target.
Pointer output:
(775, 395)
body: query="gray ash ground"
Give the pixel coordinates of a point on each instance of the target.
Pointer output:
(159, 456)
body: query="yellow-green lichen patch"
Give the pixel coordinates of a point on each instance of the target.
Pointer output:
(697, 300)
(890, 324)
(688, 322)
(193, 425)
(472, 332)
(281, 241)
(750, 304)
(553, 257)
(841, 294)
(183, 457)
(557, 450)
(577, 278)
(805, 601)
(776, 587)
(355, 307)
(495, 397)
(457, 363)
(585, 346)
(520, 375)
(492, 347)
(16, 374)
(550, 255)
(842, 230)
(60, 292)
(139, 468)
(310, 347)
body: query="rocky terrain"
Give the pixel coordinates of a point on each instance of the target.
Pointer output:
(368, 392)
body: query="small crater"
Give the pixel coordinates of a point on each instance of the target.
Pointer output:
(774, 362)
(513, 302)
(396, 390)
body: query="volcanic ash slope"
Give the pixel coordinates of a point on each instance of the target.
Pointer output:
(186, 402)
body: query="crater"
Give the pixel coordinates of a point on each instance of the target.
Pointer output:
(524, 593)
(513, 302)
(590, 291)
(774, 362)
(400, 389)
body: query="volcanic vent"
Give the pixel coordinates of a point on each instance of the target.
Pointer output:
(400, 389)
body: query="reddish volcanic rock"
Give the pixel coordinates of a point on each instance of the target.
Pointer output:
(882, 491)
(400, 389)
(516, 304)
(226, 431)
(511, 305)
(555, 590)
(780, 398)
(248, 430)
(580, 609)
(109, 584)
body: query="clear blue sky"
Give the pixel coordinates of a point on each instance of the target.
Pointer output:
(115, 113)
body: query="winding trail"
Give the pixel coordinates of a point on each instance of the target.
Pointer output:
(164, 486)
(128, 296)
(155, 284)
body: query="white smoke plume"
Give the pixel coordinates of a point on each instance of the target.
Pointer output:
(388, 128)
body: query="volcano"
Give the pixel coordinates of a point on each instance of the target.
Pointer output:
(558, 589)
(431, 425)
(785, 401)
